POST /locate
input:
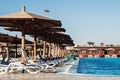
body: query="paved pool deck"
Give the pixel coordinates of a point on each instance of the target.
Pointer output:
(54, 76)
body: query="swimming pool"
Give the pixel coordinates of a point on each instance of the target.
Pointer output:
(99, 66)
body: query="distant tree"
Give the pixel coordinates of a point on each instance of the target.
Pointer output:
(102, 44)
(111, 45)
(78, 45)
(107, 45)
(90, 43)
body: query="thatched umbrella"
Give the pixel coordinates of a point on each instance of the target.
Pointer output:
(39, 32)
(58, 38)
(27, 21)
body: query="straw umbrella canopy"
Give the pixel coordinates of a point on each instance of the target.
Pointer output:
(37, 31)
(62, 40)
(27, 22)
(57, 38)
(11, 39)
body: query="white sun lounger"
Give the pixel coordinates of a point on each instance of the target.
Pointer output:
(18, 67)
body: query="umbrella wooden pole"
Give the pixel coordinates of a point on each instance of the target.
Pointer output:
(44, 49)
(23, 40)
(23, 46)
(58, 51)
(53, 50)
(35, 48)
(7, 51)
(32, 52)
(62, 52)
(55, 53)
(49, 53)
(16, 48)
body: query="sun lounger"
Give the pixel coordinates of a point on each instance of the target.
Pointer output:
(5, 60)
(114, 56)
(18, 67)
(90, 56)
(50, 64)
(107, 56)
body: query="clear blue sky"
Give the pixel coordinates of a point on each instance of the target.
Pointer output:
(84, 20)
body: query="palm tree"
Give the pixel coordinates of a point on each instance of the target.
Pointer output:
(107, 45)
(90, 43)
(102, 44)
(111, 45)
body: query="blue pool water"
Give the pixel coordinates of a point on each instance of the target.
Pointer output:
(99, 66)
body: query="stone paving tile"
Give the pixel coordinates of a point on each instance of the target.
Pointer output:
(53, 76)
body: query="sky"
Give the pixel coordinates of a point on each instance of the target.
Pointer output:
(84, 20)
